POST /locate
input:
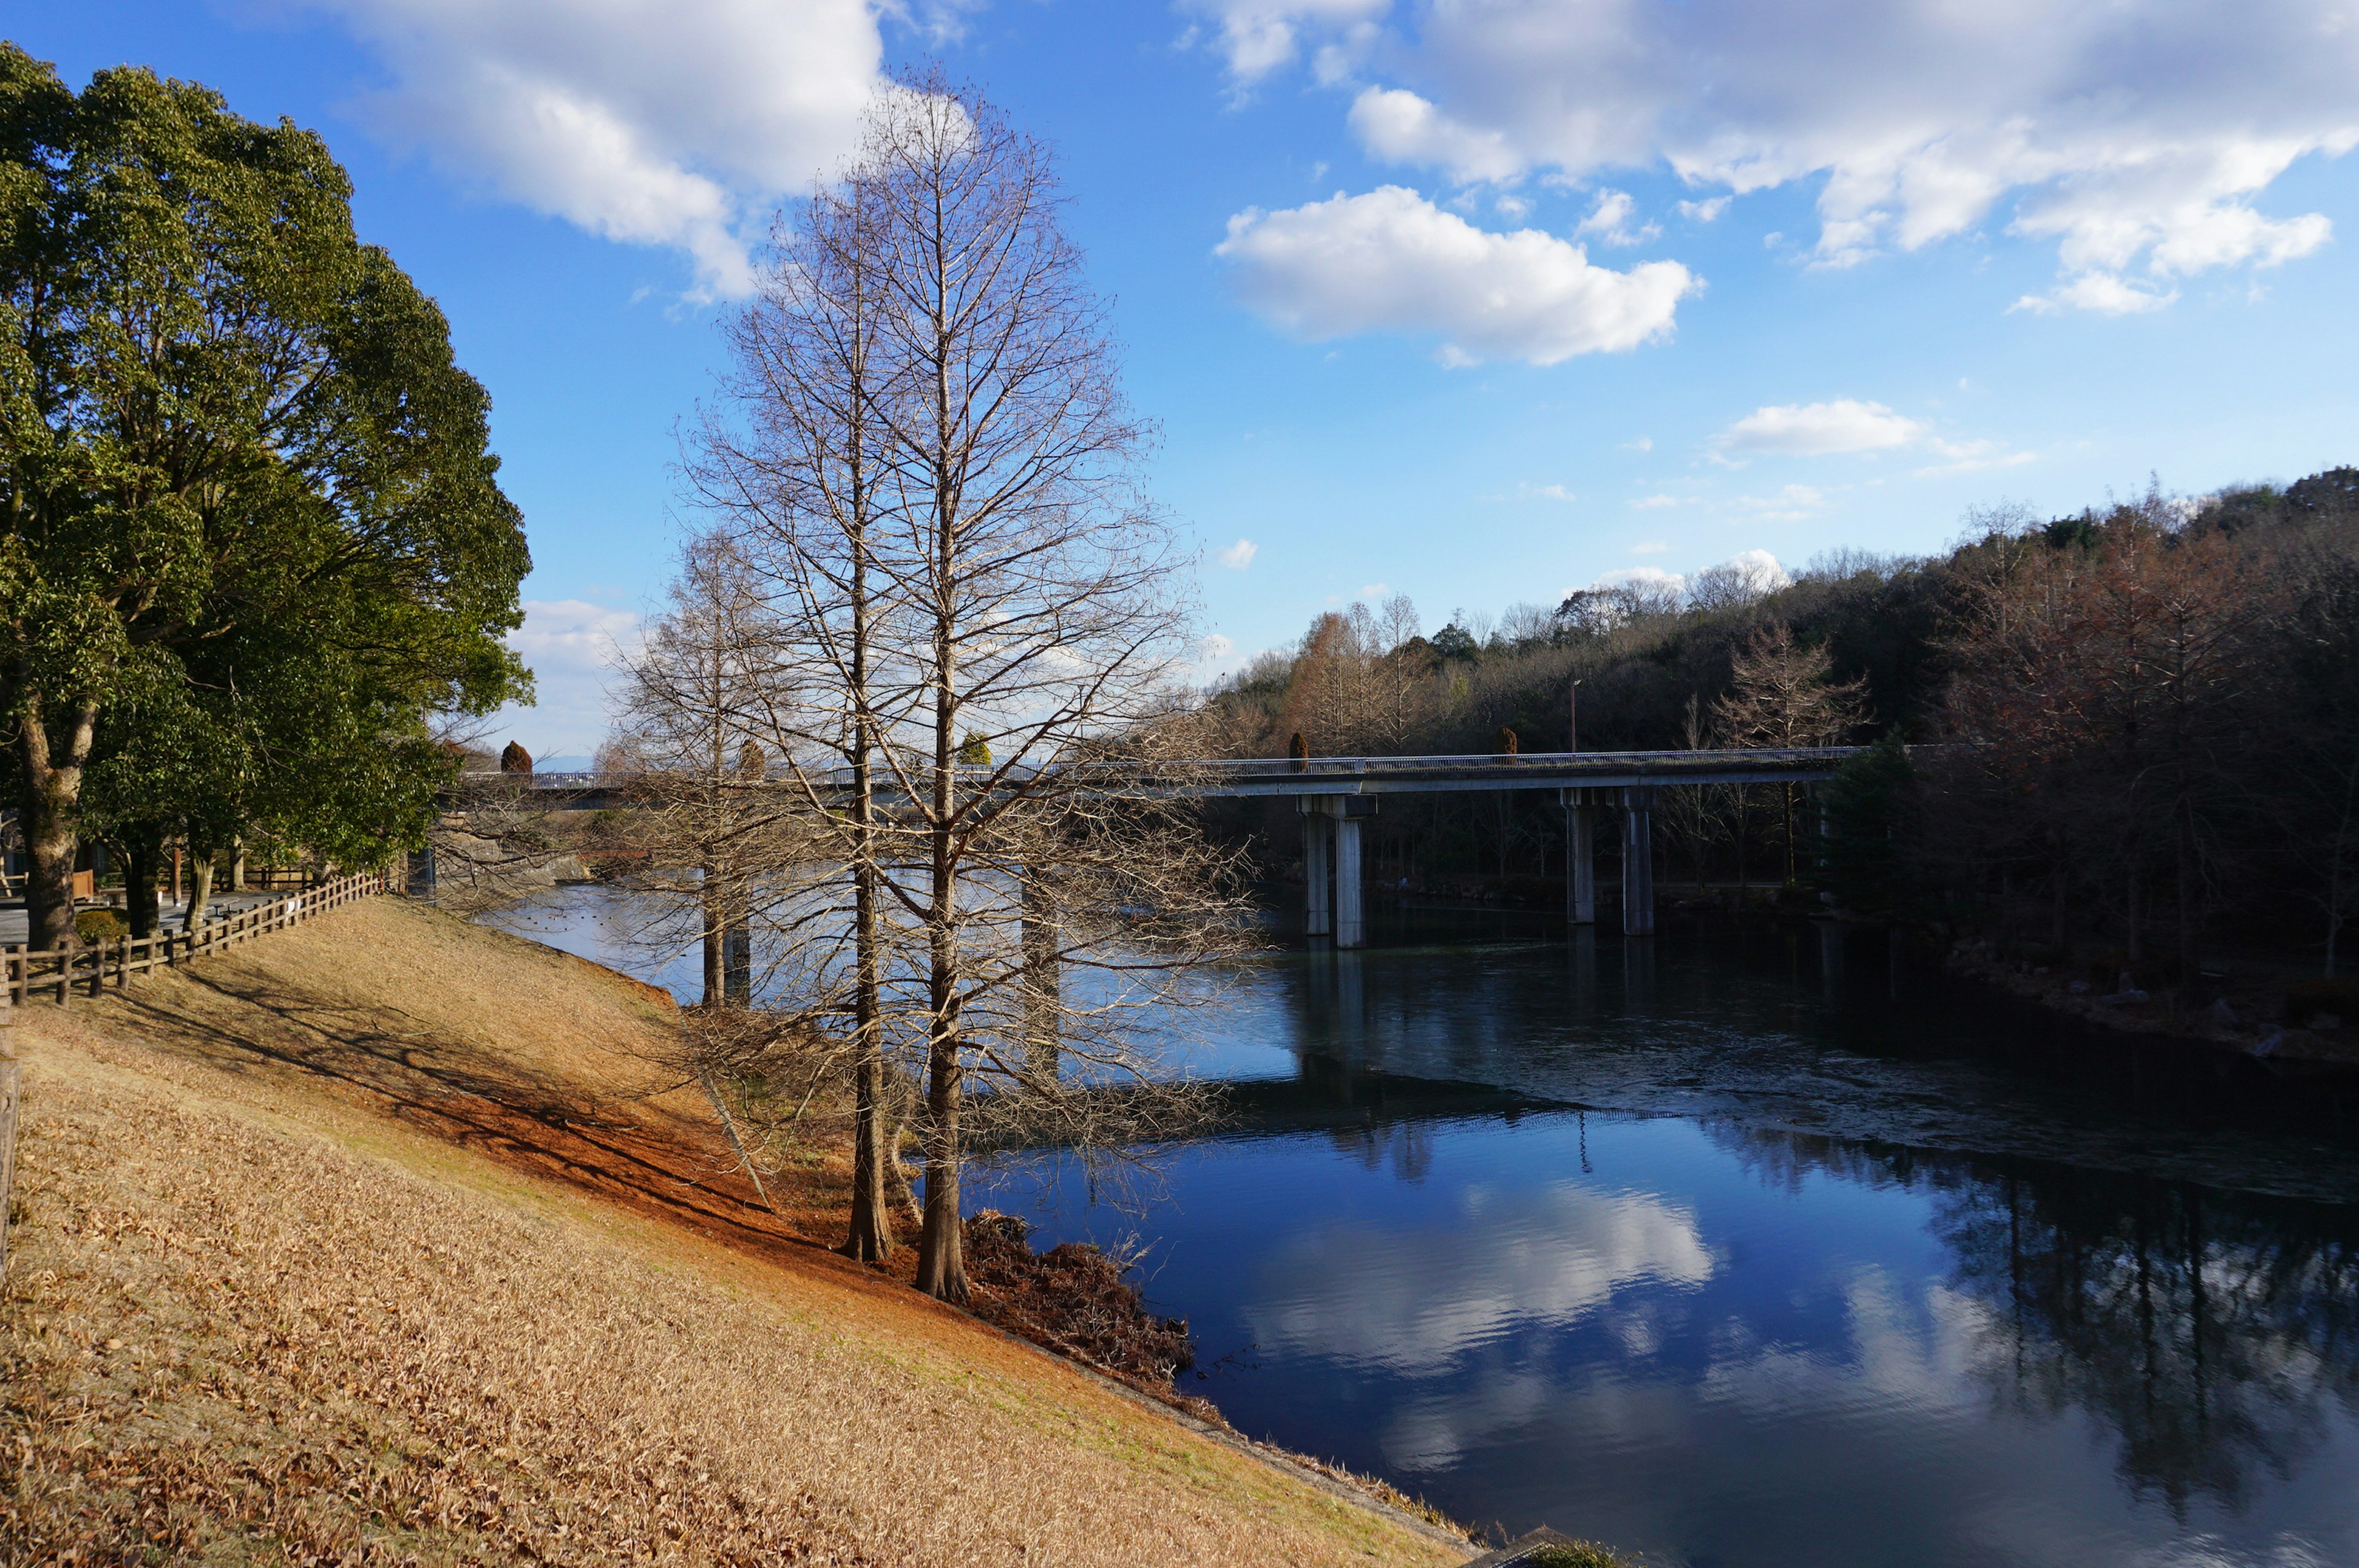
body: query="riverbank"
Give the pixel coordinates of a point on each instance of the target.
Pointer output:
(392, 1239)
(2252, 1009)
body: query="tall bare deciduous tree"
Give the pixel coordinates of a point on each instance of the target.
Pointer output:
(969, 625)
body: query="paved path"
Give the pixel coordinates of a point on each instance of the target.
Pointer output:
(15, 931)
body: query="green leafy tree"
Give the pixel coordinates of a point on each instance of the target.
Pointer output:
(250, 511)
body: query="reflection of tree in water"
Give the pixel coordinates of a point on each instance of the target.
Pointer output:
(2210, 1331)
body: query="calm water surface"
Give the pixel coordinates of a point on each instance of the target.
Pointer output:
(1747, 1251)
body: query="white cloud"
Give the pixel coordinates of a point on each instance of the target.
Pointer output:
(1609, 220)
(1968, 457)
(571, 645)
(1374, 590)
(1639, 443)
(2131, 134)
(1390, 260)
(1816, 429)
(660, 124)
(1791, 504)
(1257, 37)
(2100, 291)
(1655, 503)
(1405, 128)
(1651, 548)
(1644, 577)
(1705, 211)
(1760, 570)
(1545, 491)
(1239, 556)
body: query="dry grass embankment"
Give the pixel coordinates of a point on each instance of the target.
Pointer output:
(386, 1240)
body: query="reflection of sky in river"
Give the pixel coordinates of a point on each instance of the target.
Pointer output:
(1866, 1284)
(1613, 1324)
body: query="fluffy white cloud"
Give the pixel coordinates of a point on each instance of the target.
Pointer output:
(1405, 128)
(571, 645)
(1392, 260)
(1654, 578)
(1609, 220)
(1816, 429)
(2100, 291)
(2132, 133)
(1759, 569)
(1256, 37)
(1239, 556)
(654, 122)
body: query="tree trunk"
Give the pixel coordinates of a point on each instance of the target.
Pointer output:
(715, 925)
(871, 1236)
(49, 811)
(141, 852)
(2136, 937)
(201, 886)
(2191, 924)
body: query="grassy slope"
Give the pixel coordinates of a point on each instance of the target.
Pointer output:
(387, 1239)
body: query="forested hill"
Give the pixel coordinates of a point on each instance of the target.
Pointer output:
(2155, 708)
(1652, 665)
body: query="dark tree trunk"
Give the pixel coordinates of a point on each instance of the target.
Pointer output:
(2191, 912)
(141, 854)
(49, 771)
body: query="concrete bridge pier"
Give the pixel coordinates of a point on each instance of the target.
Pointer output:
(1316, 919)
(1330, 832)
(1351, 921)
(1040, 939)
(420, 881)
(1579, 857)
(1637, 861)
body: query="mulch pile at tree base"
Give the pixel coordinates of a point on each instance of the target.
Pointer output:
(1073, 1300)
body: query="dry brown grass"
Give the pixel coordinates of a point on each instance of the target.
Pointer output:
(432, 1295)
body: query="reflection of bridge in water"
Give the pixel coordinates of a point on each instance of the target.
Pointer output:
(1335, 794)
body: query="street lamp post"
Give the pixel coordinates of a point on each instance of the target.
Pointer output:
(1573, 717)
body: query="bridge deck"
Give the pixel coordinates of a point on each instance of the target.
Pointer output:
(1545, 770)
(1227, 778)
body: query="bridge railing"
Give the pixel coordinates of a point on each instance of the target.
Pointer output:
(1216, 775)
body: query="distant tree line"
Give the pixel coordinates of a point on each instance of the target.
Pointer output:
(2152, 712)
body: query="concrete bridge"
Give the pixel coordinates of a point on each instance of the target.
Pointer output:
(1335, 794)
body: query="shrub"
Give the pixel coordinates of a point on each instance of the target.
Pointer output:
(1572, 1554)
(99, 925)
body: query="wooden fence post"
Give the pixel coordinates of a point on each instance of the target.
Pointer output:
(11, 1080)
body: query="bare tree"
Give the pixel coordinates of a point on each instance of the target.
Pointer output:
(965, 635)
(794, 461)
(1784, 695)
(1037, 602)
(692, 700)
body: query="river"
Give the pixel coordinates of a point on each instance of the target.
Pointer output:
(1743, 1249)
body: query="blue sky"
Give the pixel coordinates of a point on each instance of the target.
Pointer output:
(1480, 300)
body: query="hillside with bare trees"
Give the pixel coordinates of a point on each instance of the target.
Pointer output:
(2147, 718)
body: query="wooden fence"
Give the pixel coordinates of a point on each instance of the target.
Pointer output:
(90, 967)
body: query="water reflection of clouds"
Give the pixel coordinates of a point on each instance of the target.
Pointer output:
(1415, 1302)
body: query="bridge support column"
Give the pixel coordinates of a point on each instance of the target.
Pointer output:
(1580, 859)
(1351, 924)
(1042, 1039)
(421, 872)
(737, 955)
(1637, 862)
(1316, 827)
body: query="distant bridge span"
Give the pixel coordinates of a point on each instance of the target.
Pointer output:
(1334, 795)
